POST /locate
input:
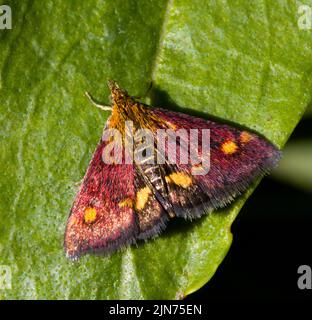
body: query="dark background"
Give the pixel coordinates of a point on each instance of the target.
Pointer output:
(272, 237)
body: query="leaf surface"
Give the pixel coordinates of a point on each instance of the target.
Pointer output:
(244, 62)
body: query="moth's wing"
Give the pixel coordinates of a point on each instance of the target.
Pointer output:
(102, 218)
(237, 158)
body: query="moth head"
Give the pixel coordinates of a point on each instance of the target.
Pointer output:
(117, 94)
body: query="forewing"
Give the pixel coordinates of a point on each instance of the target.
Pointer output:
(237, 158)
(102, 218)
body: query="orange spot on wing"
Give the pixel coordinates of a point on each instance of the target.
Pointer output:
(142, 197)
(245, 137)
(90, 215)
(229, 147)
(126, 203)
(180, 179)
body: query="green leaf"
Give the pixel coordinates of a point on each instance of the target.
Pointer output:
(295, 167)
(242, 61)
(308, 112)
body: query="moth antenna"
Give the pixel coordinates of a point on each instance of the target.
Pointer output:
(104, 108)
(149, 88)
(146, 93)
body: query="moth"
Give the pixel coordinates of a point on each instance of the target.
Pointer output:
(120, 202)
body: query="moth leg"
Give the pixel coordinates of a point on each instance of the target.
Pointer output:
(100, 106)
(149, 88)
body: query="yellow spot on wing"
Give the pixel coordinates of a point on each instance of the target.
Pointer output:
(90, 215)
(180, 179)
(229, 147)
(142, 197)
(126, 203)
(245, 137)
